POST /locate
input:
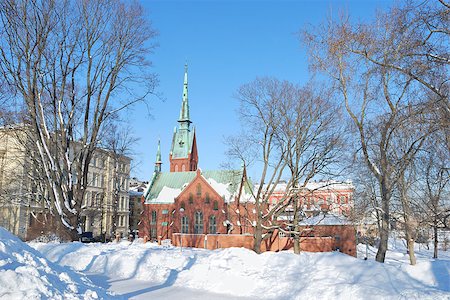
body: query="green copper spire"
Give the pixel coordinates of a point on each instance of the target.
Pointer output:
(184, 112)
(158, 162)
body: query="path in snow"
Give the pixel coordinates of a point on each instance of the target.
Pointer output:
(138, 289)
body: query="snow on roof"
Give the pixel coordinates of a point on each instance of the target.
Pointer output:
(225, 182)
(167, 195)
(326, 219)
(332, 185)
(138, 190)
(221, 189)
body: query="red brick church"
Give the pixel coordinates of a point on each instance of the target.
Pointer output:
(189, 200)
(197, 208)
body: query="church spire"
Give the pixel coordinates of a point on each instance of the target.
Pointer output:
(158, 161)
(183, 153)
(184, 112)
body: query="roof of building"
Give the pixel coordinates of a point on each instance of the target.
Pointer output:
(165, 187)
(328, 185)
(183, 136)
(326, 220)
(182, 142)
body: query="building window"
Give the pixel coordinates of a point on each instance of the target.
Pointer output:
(183, 168)
(207, 199)
(176, 168)
(98, 200)
(92, 199)
(216, 205)
(212, 225)
(199, 190)
(153, 232)
(184, 224)
(198, 224)
(183, 206)
(191, 198)
(153, 220)
(165, 211)
(86, 199)
(153, 225)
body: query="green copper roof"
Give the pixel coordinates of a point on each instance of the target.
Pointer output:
(182, 143)
(183, 137)
(179, 180)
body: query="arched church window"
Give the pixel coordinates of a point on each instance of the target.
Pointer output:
(216, 205)
(198, 225)
(212, 225)
(191, 198)
(184, 224)
(176, 168)
(153, 220)
(153, 225)
(199, 189)
(207, 198)
(183, 167)
(182, 205)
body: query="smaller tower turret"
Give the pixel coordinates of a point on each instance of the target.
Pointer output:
(158, 161)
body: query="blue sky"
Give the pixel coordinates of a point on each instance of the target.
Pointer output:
(226, 44)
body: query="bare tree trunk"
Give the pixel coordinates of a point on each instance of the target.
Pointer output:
(258, 237)
(407, 215)
(436, 241)
(384, 233)
(297, 227)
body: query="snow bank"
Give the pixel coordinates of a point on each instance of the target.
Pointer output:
(239, 272)
(27, 274)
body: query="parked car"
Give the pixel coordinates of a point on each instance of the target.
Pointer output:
(87, 237)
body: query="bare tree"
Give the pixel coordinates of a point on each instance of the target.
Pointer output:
(73, 64)
(433, 188)
(119, 143)
(378, 99)
(288, 132)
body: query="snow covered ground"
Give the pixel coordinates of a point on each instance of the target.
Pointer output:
(144, 271)
(26, 274)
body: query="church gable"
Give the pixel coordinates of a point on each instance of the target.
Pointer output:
(199, 192)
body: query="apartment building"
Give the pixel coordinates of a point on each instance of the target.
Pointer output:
(23, 209)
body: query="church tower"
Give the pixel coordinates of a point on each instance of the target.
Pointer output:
(183, 153)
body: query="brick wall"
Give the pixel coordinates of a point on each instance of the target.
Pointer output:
(274, 243)
(344, 236)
